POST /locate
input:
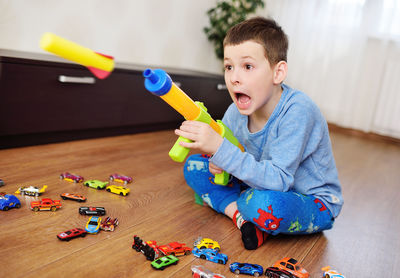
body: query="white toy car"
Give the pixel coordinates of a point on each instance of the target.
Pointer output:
(199, 271)
(330, 273)
(31, 190)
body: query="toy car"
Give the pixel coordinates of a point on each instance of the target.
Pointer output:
(175, 248)
(92, 211)
(96, 184)
(137, 243)
(210, 255)
(70, 234)
(116, 189)
(120, 178)
(163, 262)
(31, 190)
(203, 243)
(289, 265)
(148, 248)
(46, 204)
(71, 177)
(274, 272)
(330, 273)
(245, 268)
(1, 182)
(93, 225)
(199, 271)
(75, 197)
(8, 201)
(109, 224)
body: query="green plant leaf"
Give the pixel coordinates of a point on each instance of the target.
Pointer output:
(223, 16)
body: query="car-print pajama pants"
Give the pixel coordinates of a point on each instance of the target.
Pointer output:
(271, 211)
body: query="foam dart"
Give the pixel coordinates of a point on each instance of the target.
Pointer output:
(100, 65)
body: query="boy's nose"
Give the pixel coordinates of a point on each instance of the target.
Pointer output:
(235, 77)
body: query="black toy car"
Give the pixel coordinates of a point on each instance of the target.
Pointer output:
(92, 210)
(274, 272)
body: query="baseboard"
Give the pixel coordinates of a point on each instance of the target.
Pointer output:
(367, 135)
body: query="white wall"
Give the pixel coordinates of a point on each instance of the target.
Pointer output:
(165, 33)
(340, 52)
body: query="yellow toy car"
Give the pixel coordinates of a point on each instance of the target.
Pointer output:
(116, 189)
(203, 243)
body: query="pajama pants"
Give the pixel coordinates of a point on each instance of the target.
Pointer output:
(271, 211)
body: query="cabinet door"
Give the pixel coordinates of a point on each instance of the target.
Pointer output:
(33, 100)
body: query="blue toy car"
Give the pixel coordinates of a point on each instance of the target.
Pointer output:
(8, 201)
(210, 255)
(93, 225)
(245, 268)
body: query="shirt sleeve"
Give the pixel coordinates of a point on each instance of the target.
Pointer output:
(285, 152)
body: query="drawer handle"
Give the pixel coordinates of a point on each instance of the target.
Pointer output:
(74, 79)
(221, 87)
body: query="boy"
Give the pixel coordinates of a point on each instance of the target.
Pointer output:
(286, 180)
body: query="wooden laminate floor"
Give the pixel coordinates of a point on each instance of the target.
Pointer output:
(365, 240)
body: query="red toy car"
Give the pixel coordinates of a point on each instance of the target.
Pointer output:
(70, 234)
(175, 248)
(75, 197)
(120, 178)
(71, 177)
(46, 204)
(109, 224)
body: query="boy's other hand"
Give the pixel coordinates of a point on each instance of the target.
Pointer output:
(214, 169)
(203, 136)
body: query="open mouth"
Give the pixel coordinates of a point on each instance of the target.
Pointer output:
(243, 101)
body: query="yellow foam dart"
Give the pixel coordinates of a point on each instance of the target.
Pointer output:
(160, 84)
(100, 65)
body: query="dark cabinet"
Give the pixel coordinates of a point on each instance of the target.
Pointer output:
(43, 101)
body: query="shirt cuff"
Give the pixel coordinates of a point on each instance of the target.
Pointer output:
(223, 155)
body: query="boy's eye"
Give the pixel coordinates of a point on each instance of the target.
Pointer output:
(228, 67)
(247, 66)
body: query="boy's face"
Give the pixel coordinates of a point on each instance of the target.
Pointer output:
(249, 77)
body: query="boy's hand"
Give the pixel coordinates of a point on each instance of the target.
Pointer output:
(203, 136)
(214, 169)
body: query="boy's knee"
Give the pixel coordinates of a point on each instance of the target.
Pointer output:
(197, 163)
(196, 172)
(262, 207)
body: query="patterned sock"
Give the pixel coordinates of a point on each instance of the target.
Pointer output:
(252, 237)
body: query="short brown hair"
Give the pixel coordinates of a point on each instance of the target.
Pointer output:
(263, 31)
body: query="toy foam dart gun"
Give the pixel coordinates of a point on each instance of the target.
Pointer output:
(159, 83)
(100, 65)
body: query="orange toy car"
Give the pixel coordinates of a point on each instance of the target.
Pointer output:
(75, 197)
(290, 265)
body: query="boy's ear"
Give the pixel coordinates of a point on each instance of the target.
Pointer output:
(280, 72)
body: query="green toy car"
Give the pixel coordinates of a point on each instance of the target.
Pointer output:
(163, 262)
(96, 184)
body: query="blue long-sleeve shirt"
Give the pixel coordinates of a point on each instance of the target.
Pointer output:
(292, 152)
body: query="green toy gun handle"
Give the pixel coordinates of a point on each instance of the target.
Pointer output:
(178, 153)
(222, 179)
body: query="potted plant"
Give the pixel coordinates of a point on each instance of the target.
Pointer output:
(223, 16)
